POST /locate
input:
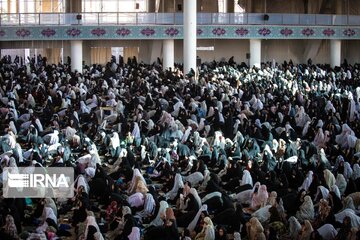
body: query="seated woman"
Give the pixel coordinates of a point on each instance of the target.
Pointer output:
(111, 211)
(214, 202)
(9, 230)
(138, 183)
(92, 231)
(325, 216)
(207, 232)
(49, 219)
(81, 204)
(190, 203)
(255, 230)
(178, 184)
(168, 230)
(245, 197)
(171, 230)
(259, 198)
(221, 234)
(232, 218)
(197, 223)
(306, 211)
(126, 224)
(275, 221)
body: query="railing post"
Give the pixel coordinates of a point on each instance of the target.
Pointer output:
(98, 18)
(19, 19)
(39, 19)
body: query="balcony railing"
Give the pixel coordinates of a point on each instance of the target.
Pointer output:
(120, 18)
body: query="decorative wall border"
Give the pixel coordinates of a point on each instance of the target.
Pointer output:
(79, 32)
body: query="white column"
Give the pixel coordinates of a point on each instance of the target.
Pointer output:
(225, 7)
(255, 53)
(189, 35)
(335, 53)
(27, 54)
(168, 54)
(76, 55)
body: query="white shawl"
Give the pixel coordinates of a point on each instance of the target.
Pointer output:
(178, 183)
(158, 221)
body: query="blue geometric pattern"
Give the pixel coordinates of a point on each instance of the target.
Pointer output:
(79, 32)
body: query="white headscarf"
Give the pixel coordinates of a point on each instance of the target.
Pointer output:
(348, 203)
(348, 172)
(13, 127)
(135, 234)
(246, 178)
(306, 211)
(178, 183)
(342, 138)
(196, 196)
(319, 140)
(89, 171)
(260, 198)
(70, 132)
(54, 137)
(356, 171)
(194, 222)
(91, 221)
(136, 131)
(49, 202)
(336, 190)
(324, 192)
(48, 212)
(158, 221)
(195, 178)
(295, 227)
(307, 182)
(301, 117)
(329, 178)
(81, 181)
(329, 107)
(115, 140)
(186, 135)
(262, 214)
(136, 173)
(149, 205)
(327, 231)
(136, 199)
(208, 229)
(236, 126)
(341, 183)
(84, 108)
(256, 229)
(177, 107)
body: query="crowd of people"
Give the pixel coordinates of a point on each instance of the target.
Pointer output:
(223, 152)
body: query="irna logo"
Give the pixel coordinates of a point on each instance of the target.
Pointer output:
(37, 180)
